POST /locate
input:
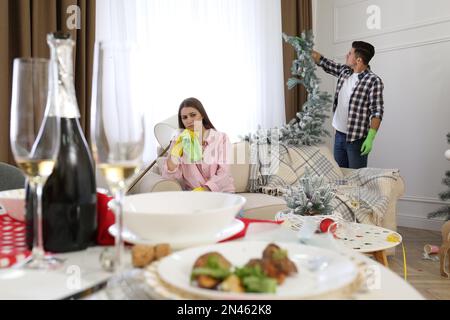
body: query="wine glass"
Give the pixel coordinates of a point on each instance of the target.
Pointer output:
(338, 233)
(34, 137)
(345, 188)
(355, 203)
(117, 127)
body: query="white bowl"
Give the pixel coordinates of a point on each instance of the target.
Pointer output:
(12, 202)
(180, 216)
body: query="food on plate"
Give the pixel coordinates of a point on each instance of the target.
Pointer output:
(276, 263)
(142, 255)
(162, 250)
(210, 269)
(232, 284)
(260, 275)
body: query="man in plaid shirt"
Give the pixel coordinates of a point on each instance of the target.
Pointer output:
(358, 104)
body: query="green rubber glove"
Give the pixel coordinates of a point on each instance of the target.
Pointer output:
(367, 145)
(191, 145)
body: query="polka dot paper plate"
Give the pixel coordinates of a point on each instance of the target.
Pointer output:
(367, 238)
(360, 237)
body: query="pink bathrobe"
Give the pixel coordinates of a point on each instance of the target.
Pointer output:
(212, 171)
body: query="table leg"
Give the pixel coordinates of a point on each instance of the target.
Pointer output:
(380, 256)
(444, 253)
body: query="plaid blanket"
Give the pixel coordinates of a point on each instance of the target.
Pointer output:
(275, 167)
(272, 169)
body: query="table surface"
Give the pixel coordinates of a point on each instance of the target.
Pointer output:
(82, 270)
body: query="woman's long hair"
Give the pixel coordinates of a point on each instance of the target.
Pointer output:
(196, 104)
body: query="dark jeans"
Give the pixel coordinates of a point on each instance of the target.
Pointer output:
(348, 154)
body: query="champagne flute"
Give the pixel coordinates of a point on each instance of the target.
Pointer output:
(351, 191)
(355, 204)
(34, 137)
(118, 133)
(337, 233)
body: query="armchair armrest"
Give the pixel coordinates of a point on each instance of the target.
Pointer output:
(152, 182)
(395, 190)
(398, 188)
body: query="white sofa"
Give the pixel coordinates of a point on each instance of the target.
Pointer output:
(259, 206)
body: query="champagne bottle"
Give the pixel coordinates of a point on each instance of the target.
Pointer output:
(69, 195)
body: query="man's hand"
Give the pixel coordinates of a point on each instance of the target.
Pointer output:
(316, 56)
(367, 144)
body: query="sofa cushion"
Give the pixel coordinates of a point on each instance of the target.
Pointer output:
(262, 206)
(152, 182)
(292, 163)
(325, 151)
(240, 167)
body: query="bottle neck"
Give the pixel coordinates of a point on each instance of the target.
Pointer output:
(64, 99)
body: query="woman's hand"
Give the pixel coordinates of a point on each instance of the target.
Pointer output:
(177, 150)
(175, 154)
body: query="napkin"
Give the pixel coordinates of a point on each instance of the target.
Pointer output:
(247, 223)
(105, 219)
(13, 246)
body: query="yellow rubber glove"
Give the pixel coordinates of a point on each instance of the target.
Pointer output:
(200, 189)
(177, 149)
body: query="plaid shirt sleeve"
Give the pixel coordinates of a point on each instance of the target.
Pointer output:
(331, 67)
(376, 103)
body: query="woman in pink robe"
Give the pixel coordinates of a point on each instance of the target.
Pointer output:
(212, 172)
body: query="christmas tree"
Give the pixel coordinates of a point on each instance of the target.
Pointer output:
(307, 127)
(444, 211)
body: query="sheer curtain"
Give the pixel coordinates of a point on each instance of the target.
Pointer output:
(226, 53)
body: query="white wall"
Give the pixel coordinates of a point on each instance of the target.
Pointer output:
(412, 57)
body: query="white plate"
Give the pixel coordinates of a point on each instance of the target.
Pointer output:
(320, 271)
(235, 227)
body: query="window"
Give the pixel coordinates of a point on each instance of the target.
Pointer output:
(226, 53)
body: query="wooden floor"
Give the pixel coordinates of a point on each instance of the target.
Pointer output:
(424, 275)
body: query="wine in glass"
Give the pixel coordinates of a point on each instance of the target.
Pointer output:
(34, 137)
(355, 203)
(118, 134)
